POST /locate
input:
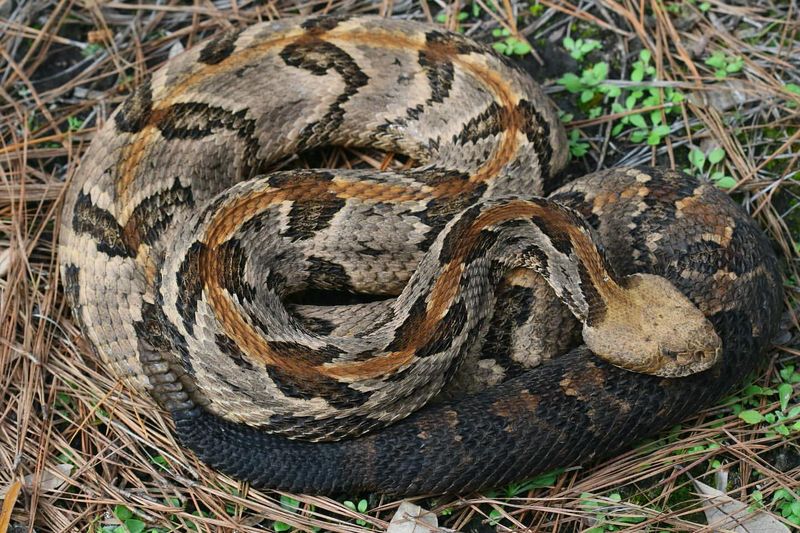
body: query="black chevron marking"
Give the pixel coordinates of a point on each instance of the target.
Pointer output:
(321, 24)
(154, 214)
(190, 285)
(232, 261)
(537, 130)
(89, 219)
(310, 216)
(197, 120)
(439, 72)
(135, 112)
(228, 347)
(491, 122)
(219, 49)
(318, 57)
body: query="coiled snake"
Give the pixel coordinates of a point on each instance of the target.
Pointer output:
(177, 258)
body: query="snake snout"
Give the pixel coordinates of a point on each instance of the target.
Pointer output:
(704, 353)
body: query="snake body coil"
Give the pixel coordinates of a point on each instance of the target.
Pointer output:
(177, 256)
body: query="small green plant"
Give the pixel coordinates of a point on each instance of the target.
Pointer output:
(129, 523)
(509, 44)
(495, 516)
(539, 482)
(361, 507)
(652, 132)
(642, 67)
(577, 147)
(536, 9)
(601, 509)
(579, 48)
(461, 16)
(783, 421)
(698, 160)
(74, 123)
(788, 505)
(291, 505)
(724, 64)
(590, 84)
(91, 49)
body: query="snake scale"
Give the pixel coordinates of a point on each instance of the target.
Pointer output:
(180, 257)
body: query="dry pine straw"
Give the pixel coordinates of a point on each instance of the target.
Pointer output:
(75, 444)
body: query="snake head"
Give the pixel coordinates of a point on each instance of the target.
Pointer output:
(652, 328)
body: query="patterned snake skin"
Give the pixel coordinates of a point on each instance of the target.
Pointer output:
(178, 255)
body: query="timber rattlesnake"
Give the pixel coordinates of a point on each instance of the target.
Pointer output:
(180, 288)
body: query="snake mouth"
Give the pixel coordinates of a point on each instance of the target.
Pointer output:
(691, 361)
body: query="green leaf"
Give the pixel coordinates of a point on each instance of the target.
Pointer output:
(638, 121)
(122, 513)
(751, 416)
(726, 183)
(716, 60)
(705, 6)
(290, 504)
(280, 526)
(796, 508)
(716, 155)
(735, 64)
(785, 372)
(362, 506)
(134, 526)
(645, 56)
(792, 88)
(570, 81)
(653, 138)
(655, 118)
(611, 90)
(497, 32)
(697, 158)
(569, 43)
(500, 47)
(652, 100)
(784, 394)
(350, 505)
(600, 71)
(662, 130)
(521, 48)
(638, 136)
(586, 96)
